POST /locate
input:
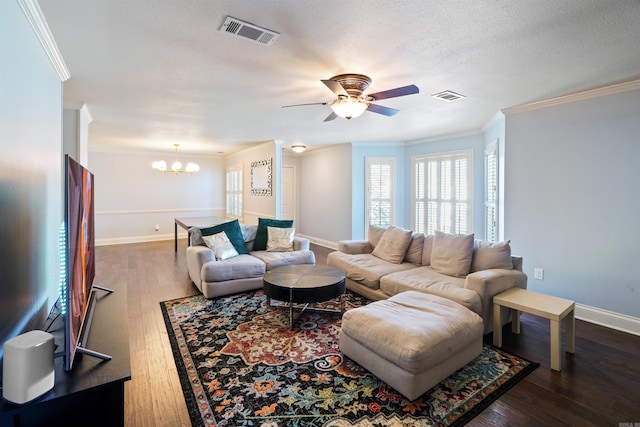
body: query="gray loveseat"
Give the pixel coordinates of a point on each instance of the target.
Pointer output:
(457, 267)
(243, 272)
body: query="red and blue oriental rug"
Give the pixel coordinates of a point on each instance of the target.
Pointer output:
(240, 364)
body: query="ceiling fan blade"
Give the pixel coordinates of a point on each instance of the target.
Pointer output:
(302, 105)
(335, 87)
(330, 117)
(392, 93)
(385, 111)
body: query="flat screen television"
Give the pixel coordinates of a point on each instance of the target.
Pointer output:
(78, 272)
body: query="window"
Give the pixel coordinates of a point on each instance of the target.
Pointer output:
(234, 191)
(442, 192)
(380, 194)
(491, 192)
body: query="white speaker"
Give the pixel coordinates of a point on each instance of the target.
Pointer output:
(27, 370)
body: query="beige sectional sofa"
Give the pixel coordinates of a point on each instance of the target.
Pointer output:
(457, 267)
(215, 277)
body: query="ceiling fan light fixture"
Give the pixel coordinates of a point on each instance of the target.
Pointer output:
(298, 148)
(349, 107)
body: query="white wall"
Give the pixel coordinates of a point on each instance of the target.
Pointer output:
(30, 175)
(131, 198)
(573, 199)
(325, 194)
(259, 206)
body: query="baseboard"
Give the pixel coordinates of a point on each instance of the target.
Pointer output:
(320, 242)
(135, 239)
(609, 319)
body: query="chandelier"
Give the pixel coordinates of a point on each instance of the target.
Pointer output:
(176, 167)
(349, 107)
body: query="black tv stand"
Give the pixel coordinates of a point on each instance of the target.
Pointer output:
(82, 348)
(93, 391)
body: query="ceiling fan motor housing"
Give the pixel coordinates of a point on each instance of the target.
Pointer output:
(353, 84)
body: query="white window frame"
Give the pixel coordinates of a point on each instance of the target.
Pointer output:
(233, 191)
(491, 193)
(431, 198)
(371, 162)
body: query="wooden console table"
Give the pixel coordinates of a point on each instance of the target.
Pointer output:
(92, 393)
(553, 308)
(200, 221)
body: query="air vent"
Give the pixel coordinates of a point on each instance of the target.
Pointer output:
(448, 96)
(248, 31)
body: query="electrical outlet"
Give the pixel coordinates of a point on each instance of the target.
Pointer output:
(538, 273)
(157, 228)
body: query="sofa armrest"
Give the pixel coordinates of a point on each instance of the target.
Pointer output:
(301, 243)
(489, 283)
(354, 247)
(197, 256)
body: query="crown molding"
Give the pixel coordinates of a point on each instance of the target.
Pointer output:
(40, 27)
(574, 97)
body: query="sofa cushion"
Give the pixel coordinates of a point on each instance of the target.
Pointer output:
(451, 253)
(277, 259)
(413, 330)
(427, 280)
(233, 231)
(427, 248)
(241, 267)
(280, 239)
(487, 255)
(260, 243)
(414, 251)
(393, 245)
(374, 234)
(364, 268)
(221, 246)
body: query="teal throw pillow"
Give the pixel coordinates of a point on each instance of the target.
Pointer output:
(233, 232)
(260, 244)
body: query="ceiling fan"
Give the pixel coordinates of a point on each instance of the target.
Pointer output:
(352, 101)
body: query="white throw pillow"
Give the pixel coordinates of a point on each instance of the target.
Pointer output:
(393, 245)
(220, 245)
(280, 239)
(451, 253)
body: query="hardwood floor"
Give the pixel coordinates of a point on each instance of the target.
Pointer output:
(599, 385)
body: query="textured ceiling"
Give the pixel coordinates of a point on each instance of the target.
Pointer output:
(155, 73)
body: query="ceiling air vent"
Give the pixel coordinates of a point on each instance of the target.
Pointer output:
(448, 96)
(249, 31)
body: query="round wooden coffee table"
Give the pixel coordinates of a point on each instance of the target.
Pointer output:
(304, 284)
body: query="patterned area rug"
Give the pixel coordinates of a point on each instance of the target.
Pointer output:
(240, 364)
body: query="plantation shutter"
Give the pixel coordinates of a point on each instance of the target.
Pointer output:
(442, 192)
(380, 184)
(234, 191)
(491, 192)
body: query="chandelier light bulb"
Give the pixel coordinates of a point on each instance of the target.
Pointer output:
(176, 167)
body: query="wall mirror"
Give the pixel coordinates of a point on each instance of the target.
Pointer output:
(261, 178)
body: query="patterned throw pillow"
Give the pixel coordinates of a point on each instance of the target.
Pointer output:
(233, 231)
(280, 239)
(220, 245)
(260, 244)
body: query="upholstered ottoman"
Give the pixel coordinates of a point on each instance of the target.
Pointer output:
(411, 341)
